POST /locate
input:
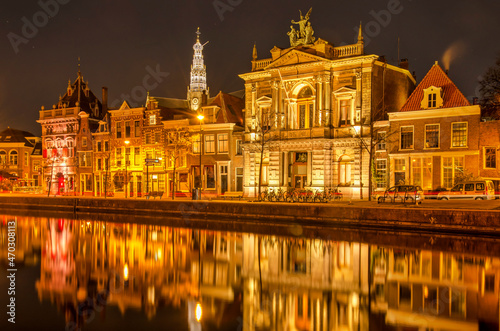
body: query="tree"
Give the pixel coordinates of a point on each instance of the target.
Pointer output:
(490, 91)
(263, 134)
(179, 141)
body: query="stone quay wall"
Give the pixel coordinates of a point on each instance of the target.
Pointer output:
(486, 222)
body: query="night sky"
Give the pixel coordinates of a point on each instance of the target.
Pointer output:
(121, 42)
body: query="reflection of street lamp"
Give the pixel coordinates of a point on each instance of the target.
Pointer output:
(126, 171)
(125, 272)
(198, 311)
(200, 117)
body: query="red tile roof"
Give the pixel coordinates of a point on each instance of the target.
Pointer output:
(231, 108)
(452, 97)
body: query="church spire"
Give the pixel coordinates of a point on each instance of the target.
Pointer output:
(198, 69)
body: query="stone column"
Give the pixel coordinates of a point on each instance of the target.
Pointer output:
(359, 75)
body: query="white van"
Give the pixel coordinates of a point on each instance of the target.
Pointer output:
(474, 189)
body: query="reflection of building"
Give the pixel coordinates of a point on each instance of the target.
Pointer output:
(427, 289)
(304, 284)
(258, 282)
(308, 108)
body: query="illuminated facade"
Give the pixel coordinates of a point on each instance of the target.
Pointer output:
(308, 110)
(20, 160)
(198, 89)
(434, 138)
(67, 140)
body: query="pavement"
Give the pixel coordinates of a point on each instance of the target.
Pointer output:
(427, 203)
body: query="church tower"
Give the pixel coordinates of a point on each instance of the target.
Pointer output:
(198, 85)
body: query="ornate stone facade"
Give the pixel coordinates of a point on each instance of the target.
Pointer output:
(308, 115)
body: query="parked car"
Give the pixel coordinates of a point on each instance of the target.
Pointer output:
(433, 194)
(403, 193)
(477, 189)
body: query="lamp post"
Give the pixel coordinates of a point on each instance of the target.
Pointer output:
(200, 118)
(126, 170)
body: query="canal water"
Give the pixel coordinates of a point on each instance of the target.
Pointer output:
(108, 273)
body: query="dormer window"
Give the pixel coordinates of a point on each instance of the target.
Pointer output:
(433, 98)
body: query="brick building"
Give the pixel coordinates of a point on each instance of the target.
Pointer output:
(434, 138)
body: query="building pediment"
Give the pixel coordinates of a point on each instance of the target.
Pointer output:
(294, 57)
(344, 90)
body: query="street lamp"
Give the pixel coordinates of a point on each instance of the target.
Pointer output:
(200, 118)
(126, 170)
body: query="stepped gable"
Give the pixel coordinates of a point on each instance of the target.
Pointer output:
(79, 94)
(452, 96)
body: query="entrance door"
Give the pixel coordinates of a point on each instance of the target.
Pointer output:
(299, 181)
(223, 179)
(239, 179)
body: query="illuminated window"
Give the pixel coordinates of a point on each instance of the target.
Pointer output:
(137, 155)
(406, 137)
(490, 157)
(152, 119)
(459, 134)
(239, 149)
(118, 130)
(399, 171)
(305, 108)
(422, 172)
(222, 143)
(26, 159)
(431, 100)
(345, 112)
(3, 157)
(432, 136)
(381, 173)
(381, 136)
(209, 143)
(196, 144)
(84, 142)
(137, 129)
(127, 129)
(451, 168)
(13, 158)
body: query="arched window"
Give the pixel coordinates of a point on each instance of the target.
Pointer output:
(305, 108)
(345, 165)
(13, 157)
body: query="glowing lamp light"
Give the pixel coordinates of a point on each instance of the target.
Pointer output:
(200, 117)
(127, 142)
(426, 292)
(357, 129)
(125, 272)
(198, 312)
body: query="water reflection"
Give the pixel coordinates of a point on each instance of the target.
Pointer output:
(246, 281)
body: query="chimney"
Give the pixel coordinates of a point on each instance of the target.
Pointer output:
(475, 101)
(104, 100)
(403, 64)
(446, 72)
(382, 58)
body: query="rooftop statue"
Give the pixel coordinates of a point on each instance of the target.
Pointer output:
(305, 34)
